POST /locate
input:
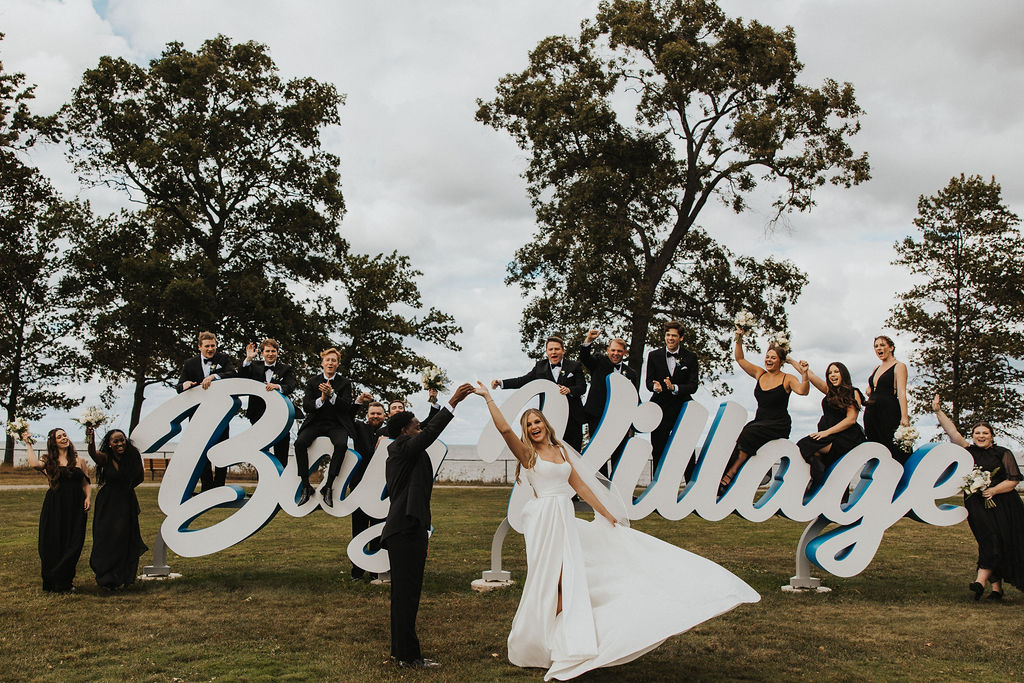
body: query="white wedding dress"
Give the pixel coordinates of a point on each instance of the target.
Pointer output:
(623, 592)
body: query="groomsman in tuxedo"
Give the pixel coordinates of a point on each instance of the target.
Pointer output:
(203, 370)
(600, 367)
(365, 439)
(568, 375)
(672, 377)
(276, 376)
(329, 412)
(410, 480)
(398, 406)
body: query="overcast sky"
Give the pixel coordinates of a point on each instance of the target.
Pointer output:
(941, 82)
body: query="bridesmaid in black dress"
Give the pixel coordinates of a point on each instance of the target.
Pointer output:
(838, 432)
(999, 530)
(62, 519)
(771, 392)
(117, 542)
(886, 408)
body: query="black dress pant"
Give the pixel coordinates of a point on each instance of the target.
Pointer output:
(339, 438)
(407, 552)
(659, 437)
(360, 520)
(573, 435)
(212, 477)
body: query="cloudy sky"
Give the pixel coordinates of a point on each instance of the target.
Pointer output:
(942, 84)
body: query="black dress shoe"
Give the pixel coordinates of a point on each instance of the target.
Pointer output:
(422, 663)
(995, 595)
(304, 496)
(328, 495)
(977, 589)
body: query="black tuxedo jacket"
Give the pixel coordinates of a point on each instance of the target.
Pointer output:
(284, 375)
(410, 478)
(192, 370)
(600, 367)
(341, 413)
(685, 376)
(571, 376)
(365, 437)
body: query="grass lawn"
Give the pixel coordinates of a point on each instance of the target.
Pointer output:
(280, 606)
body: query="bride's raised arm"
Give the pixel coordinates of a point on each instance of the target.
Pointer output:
(515, 444)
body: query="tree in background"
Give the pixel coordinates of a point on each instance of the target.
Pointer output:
(241, 229)
(632, 127)
(243, 202)
(131, 301)
(35, 357)
(373, 330)
(965, 313)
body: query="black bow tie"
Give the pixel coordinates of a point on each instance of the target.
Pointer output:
(556, 365)
(269, 367)
(670, 354)
(207, 361)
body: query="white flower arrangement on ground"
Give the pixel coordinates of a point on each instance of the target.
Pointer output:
(779, 339)
(434, 378)
(905, 438)
(745, 320)
(978, 480)
(19, 428)
(92, 417)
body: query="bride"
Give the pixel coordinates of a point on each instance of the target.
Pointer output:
(597, 593)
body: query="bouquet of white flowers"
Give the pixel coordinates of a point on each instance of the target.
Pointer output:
(905, 437)
(92, 417)
(434, 378)
(745, 320)
(978, 480)
(780, 339)
(18, 428)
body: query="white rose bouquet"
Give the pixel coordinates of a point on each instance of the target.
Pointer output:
(19, 428)
(978, 480)
(434, 378)
(780, 339)
(92, 417)
(905, 438)
(745, 320)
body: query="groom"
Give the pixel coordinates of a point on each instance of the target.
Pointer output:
(410, 479)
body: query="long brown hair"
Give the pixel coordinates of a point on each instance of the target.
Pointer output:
(528, 442)
(51, 463)
(840, 397)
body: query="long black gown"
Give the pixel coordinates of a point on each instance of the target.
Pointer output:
(62, 529)
(117, 542)
(771, 421)
(842, 442)
(882, 413)
(999, 530)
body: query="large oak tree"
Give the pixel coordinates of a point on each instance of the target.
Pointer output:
(632, 127)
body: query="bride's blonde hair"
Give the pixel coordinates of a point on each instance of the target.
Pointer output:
(528, 442)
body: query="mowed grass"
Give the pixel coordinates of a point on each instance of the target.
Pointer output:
(280, 606)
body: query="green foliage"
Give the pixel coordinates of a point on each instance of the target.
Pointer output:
(965, 311)
(36, 356)
(376, 323)
(715, 107)
(226, 157)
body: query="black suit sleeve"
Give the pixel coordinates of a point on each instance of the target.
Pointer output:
(287, 378)
(312, 393)
(428, 433)
(652, 373)
(577, 383)
(692, 379)
(517, 382)
(186, 375)
(587, 357)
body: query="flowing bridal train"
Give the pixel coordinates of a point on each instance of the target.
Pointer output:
(597, 593)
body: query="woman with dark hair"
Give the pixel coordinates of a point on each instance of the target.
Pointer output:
(117, 542)
(886, 407)
(999, 530)
(597, 594)
(62, 519)
(772, 390)
(838, 432)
